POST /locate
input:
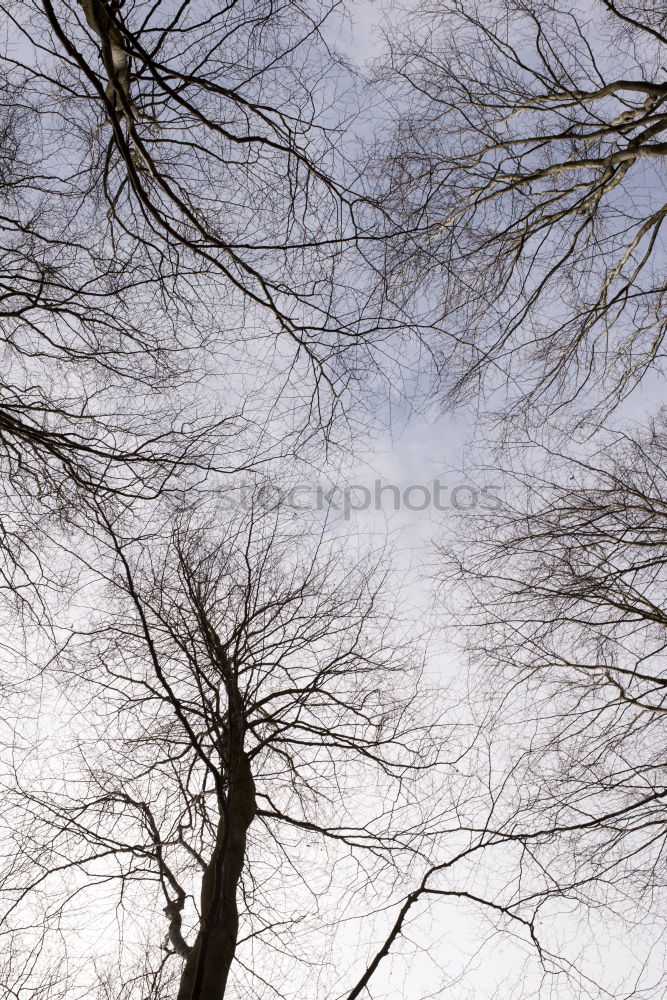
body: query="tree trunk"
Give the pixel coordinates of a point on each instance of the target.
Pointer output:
(207, 966)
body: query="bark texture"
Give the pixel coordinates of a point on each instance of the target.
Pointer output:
(207, 966)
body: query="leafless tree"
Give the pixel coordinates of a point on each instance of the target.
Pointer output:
(527, 165)
(239, 778)
(229, 707)
(561, 599)
(192, 157)
(178, 280)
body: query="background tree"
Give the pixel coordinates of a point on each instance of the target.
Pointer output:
(561, 597)
(527, 162)
(202, 158)
(174, 221)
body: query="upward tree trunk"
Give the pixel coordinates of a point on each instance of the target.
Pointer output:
(207, 966)
(116, 60)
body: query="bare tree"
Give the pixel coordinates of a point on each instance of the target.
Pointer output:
(179, 281)
(252, 786)
(202, 156)
(527, 165)
(238, 695)
(561, 598)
